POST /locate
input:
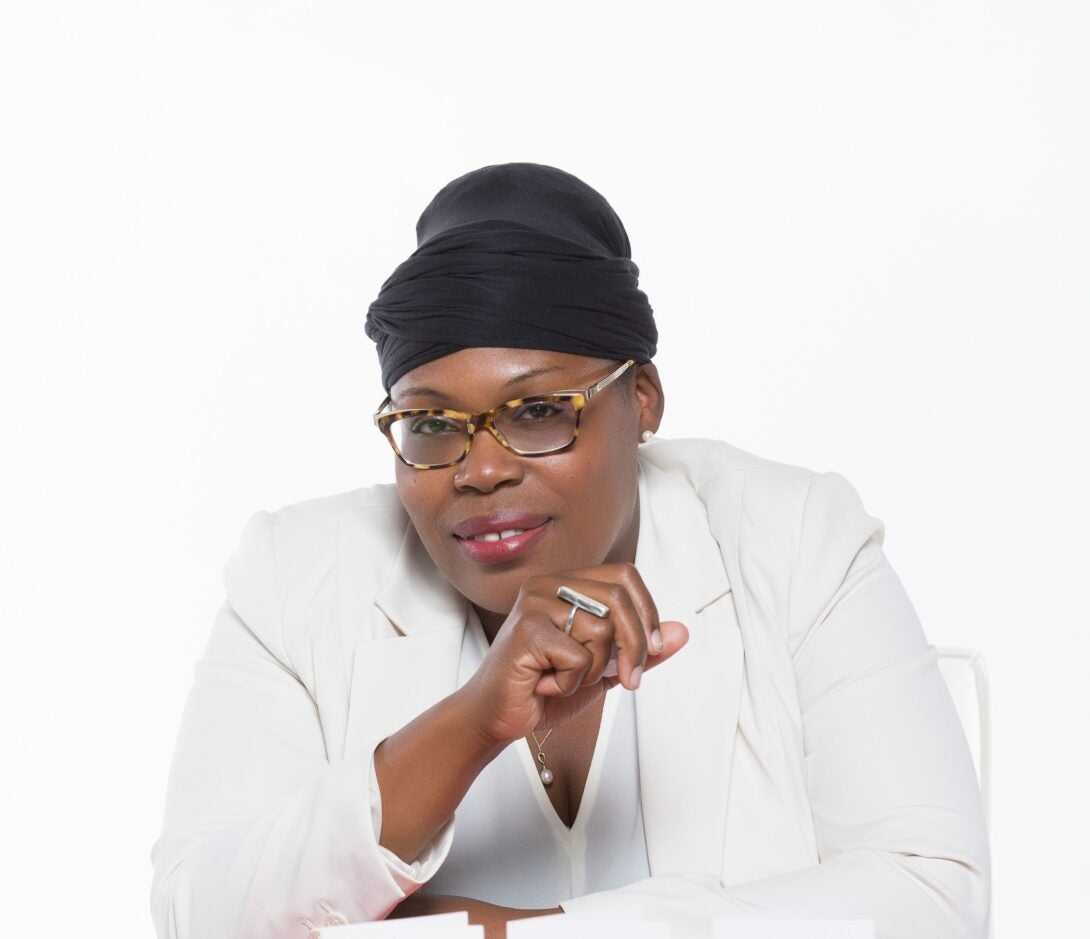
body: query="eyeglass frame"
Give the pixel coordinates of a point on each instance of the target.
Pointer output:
(485, 420)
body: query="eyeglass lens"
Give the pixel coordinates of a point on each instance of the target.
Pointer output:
(530, 427)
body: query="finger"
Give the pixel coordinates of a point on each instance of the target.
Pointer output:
(629, 577)
(644, 604)
(595, 634)
(552, 663)
(622, 628)
(600, 634)
(629, 649)
(674, 637)
(564, 663)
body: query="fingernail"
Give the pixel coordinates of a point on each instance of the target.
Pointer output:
(636, 673)
(656, 640)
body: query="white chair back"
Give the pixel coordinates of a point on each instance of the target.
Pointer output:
(967, 679)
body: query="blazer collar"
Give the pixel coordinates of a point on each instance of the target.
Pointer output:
(676, 554)
(416, 597)
(687, 708)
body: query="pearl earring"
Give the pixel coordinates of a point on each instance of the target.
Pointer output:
(646, 436)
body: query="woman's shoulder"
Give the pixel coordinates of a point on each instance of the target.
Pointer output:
(704, 464)
(376, 498)
(304, 533)
(766, 506)
(286, 560)
(715, 469)
(801, 528)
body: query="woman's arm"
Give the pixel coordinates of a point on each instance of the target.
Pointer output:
(261, 831)
(426, 768)
(894, 798)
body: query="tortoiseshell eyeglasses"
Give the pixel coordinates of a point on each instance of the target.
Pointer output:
(431, 438)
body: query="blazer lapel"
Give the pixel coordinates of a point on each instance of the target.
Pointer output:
(398, 676)
(417, 598)
(687, 708)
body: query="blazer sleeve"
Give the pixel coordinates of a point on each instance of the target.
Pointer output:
(262, 834)
(893, 794)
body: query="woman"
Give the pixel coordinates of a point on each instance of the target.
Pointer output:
(558, 667)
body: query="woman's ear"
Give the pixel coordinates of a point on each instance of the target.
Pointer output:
(649, 397)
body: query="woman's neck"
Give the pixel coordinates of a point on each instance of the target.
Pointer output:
(491, 621)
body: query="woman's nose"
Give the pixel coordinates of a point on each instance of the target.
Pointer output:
(488, 465)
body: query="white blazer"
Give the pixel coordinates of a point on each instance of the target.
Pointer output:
(800, 754)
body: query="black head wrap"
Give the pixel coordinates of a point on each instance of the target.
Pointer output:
(517, 256)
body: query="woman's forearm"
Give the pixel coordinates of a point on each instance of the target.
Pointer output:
(424, 771)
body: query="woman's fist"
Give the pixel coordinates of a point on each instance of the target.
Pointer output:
(537, 675)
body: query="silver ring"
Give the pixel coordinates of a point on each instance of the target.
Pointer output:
(580, 601)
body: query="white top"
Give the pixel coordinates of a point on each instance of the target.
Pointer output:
(511, 848)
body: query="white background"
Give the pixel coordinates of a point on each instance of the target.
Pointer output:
(863, 226)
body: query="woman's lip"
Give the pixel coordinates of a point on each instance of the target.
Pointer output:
(506, 549)
(498, 522)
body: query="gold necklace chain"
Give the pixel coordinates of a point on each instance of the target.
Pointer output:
(546, 774)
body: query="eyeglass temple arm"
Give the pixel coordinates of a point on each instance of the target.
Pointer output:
(382, 407)
(611, 377)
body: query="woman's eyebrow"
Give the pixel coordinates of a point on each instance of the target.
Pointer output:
(424, 392)
(532, 373)
(420, 391)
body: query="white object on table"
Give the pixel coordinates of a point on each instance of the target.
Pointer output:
(442, 925)
(578, 926)
(791, 927)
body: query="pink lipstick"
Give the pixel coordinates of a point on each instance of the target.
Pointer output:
(503, 536)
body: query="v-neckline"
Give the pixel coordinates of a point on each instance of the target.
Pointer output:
(532, 770)
(590, 788)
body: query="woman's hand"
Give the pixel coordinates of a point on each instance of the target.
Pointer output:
(535, 677)
(493, 918)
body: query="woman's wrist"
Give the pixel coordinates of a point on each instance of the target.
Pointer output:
(424, 771)
(476, 718)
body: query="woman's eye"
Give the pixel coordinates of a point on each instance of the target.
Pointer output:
(432, 425)
(538, 411)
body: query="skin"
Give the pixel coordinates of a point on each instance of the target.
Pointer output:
(596, 514)
(534, 677)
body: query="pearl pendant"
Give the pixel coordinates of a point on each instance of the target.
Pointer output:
(546, 776)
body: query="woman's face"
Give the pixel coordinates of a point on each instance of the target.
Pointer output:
(577, 508)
